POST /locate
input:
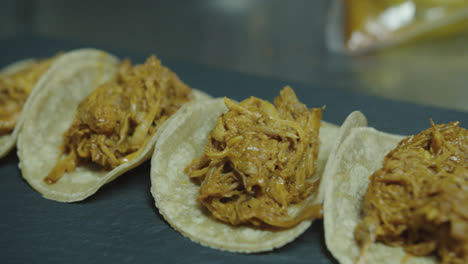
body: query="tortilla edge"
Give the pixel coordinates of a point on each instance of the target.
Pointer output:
(331, 190)
(8, 141)
(354, 119)
(114, 173)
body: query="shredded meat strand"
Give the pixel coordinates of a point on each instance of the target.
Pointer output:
(259, 159)
(418, 199)
(15, 89)
(114, 123)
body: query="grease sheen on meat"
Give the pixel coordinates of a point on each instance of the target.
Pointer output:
(114, 123)
(418, 199)
(15, 89)
(259, 159)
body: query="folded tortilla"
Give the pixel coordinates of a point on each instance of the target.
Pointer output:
(175, 195)
(70, 80)
(8, 141)
(361, 153)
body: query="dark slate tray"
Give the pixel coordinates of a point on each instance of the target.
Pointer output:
(120, 223)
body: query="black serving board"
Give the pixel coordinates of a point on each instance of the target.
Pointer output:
(120, 223)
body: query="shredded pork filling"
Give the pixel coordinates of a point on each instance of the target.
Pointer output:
(15, 89)
(114, 123)
(418, 199)
(259, 159)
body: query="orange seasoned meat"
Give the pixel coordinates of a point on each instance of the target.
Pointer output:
(15, 89)
(114, 123)
(260, 159)
(418, 199)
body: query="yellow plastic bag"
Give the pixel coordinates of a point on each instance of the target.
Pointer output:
(358, 26)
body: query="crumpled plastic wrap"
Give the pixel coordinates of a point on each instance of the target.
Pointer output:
(359, 26)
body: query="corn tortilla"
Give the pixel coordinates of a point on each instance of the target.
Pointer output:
(360, 154)
(175, 195)
(8, 141)
(74, 76)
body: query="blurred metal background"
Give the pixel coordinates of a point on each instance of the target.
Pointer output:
(281, 39)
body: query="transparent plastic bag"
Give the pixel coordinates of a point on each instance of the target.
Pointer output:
(358, 26)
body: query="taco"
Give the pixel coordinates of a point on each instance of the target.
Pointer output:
(17, 84)
(399, 200)
(95, 119)
(244, 177)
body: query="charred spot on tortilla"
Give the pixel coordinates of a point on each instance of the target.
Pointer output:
(259, 159)
(417, 200)
(116, 120)
(15, 89)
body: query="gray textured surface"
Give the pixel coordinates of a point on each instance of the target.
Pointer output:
(121, 224)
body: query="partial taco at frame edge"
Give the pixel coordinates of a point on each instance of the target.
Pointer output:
(95, 119)
(18, 83)
(210, 184)
(393, 199)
